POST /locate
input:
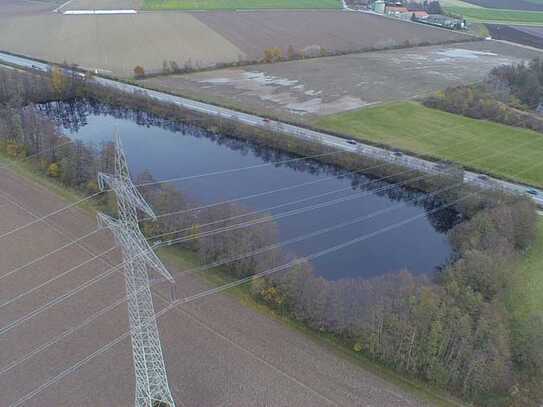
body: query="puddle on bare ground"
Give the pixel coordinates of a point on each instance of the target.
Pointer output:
(290, 94)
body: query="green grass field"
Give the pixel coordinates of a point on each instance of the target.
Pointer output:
(487, 15)
(525, 298)
(239, 4)
(493, 148)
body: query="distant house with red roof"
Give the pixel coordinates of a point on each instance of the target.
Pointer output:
(395, 10)
(420, 13)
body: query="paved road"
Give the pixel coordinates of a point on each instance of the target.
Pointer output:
(296, 131)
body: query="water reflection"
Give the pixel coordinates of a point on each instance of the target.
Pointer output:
(171, 149)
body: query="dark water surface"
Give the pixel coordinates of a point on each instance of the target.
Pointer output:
(171, 150)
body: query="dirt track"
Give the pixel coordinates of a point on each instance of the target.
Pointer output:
(218, 352)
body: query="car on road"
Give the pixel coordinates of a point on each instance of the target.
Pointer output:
(532, 191)
(397, 154)
(352, 142)
(482, 177)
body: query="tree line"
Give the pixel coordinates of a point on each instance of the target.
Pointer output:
(452, 330)
(509, 95)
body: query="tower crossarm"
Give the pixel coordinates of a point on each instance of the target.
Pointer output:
(125, 191)
(134, 244)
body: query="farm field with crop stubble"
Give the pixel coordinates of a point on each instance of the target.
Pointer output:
(253, 32)
(116, 44)
(301, 90)
(527, 5)
(531, 36)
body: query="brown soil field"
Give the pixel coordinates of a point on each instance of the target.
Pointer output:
(253, 32)
(535, 31)
(301, 90)
(508, 4)
(218, 352)
(117, 43)
(531, 36)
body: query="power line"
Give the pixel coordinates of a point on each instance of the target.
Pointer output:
(239, 282)
(238, 226)
(224, 202)
(222, 288)
(178, 179)
(213, 265)
(207, 206)
(13, 324)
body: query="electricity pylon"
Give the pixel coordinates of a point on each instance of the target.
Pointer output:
(152, 387)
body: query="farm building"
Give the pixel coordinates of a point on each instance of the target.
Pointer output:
(416, 15)
(395, 11)
(443, 21)
(379, 7)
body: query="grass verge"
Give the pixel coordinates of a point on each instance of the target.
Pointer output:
(184, 259)
(525, 297)
(487, 15)
(502, 151)
(239, 4)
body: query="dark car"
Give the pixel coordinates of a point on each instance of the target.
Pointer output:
(352, 142)
(397, 153)
(532, 191)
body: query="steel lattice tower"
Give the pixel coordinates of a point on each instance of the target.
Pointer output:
(152, 387)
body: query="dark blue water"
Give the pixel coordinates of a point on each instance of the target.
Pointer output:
(168, 150)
